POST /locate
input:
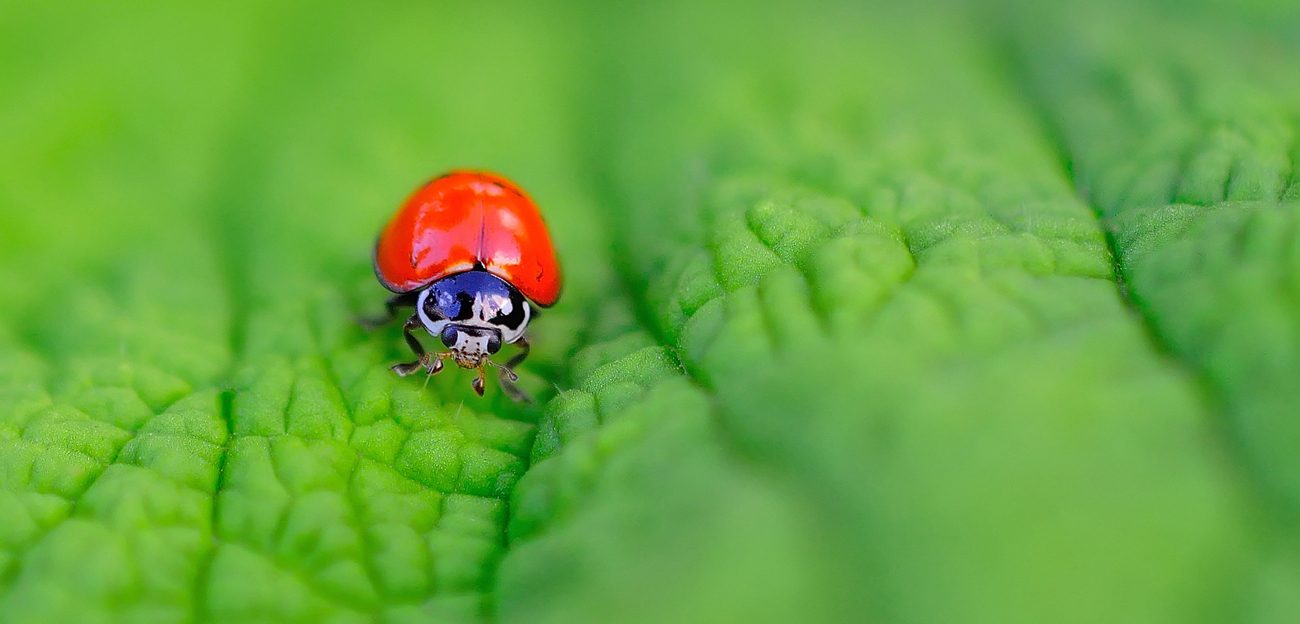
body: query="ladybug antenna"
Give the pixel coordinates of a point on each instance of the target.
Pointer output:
(505, 370)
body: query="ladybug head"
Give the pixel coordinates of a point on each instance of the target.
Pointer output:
(473, 313)
(470, 345)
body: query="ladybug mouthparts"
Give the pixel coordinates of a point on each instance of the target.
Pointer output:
(468, 359)
(470, 345)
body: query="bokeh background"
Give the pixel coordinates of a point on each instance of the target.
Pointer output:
(937, 312)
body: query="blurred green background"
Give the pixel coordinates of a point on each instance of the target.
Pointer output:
(944, 312)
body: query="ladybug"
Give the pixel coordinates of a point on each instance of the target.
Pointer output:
(470, 252)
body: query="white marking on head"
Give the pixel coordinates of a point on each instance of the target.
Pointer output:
(433, 326)
(469, 351)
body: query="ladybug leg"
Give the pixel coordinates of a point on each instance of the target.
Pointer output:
(430, 362)
(411, 340)
(524, 348)
(508, 379)
(508, 376)
(390, 310)
(427, 361)
(512, 390)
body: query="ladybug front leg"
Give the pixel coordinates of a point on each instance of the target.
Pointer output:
(508, 376)
(431, 363)
(524, 348)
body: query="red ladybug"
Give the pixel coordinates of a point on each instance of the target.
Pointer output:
(468, 250)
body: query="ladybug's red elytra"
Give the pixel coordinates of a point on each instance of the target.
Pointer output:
(470, 252)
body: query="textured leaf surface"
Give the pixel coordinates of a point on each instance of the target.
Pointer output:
(915, 315)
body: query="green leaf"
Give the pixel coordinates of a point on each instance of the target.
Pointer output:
(977, 314)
